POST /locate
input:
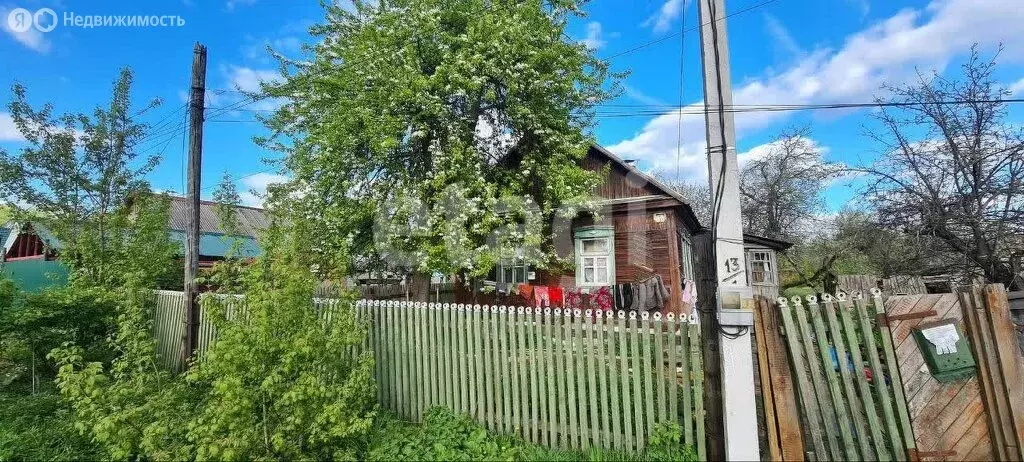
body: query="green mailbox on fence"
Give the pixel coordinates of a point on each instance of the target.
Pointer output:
(945, 350)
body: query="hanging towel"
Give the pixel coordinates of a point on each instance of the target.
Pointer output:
(541, 297)
(573, 298)
(662, 293)
(555, 295)
(602, 299)
(617, 294)
(526, 291)
(627, 296)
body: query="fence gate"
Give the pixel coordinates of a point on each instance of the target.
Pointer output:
(845, 369)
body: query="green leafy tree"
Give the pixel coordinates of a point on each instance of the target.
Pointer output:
(77, 176)
(226, 275)
(426, 130)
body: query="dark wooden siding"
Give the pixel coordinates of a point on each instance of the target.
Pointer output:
(619, 182)
(644, 248)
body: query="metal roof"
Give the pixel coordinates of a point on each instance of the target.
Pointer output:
(251, 220)
(217, 245)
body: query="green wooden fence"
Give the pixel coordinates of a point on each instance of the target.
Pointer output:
(832, 344)
(564, 379)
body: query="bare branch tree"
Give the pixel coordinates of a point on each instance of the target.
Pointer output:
(782, 189)
(954, 171)
(697, 195)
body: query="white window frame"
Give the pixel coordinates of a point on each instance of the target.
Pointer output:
(769, 271)
(595, 233)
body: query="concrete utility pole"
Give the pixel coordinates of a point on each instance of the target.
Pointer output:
(735, 299)
(195, 163)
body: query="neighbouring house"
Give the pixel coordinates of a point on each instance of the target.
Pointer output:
(30, 250)
(213, 242)
(645, 229)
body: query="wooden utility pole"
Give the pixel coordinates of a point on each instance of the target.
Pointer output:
(735, 299)
(195, 162)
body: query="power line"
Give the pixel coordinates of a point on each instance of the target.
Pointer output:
(740, 108)
(657, 110)
(662, 39)
(233, 179)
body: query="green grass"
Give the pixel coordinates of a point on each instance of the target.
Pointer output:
(39, 427)
(802, 292)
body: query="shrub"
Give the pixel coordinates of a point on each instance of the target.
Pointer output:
(32, 324)
(445, 435)
(277, 384)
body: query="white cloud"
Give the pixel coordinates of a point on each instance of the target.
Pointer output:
(31, 38)
(248, 79)
(662, 20)
(255, 187)
(245, 79)
(595, 39)
(1016, 88)
(781, 38)
(9, 131)
(256, 50)
(887, 52)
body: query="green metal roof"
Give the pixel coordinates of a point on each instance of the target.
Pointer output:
(217, 245)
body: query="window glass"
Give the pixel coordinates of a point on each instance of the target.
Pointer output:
(595, 260)
(595, 246)
(512, 270)
(761, 271)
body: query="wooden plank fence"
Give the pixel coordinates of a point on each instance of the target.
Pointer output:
(948, 417)
(564, 379)
(996, 351)
(895, 285)
(847, 416)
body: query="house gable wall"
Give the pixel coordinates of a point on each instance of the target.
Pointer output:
(619, 182)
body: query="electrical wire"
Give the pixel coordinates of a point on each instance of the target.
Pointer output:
(748, 108)
(268, 170)
(667, 37)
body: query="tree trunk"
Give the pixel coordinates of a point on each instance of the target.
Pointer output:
(419, 287)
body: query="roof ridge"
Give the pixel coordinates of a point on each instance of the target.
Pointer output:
(209, 202)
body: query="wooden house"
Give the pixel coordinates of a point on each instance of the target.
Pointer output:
(30, 250)
(644, 229)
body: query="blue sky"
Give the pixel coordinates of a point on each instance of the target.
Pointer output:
(782, 52)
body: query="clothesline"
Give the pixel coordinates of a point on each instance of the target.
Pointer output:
(649, 294)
